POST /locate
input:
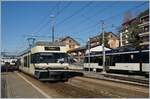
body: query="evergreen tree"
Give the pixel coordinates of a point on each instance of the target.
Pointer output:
(133, 35)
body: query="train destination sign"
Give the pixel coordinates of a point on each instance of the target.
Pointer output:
(52, 48)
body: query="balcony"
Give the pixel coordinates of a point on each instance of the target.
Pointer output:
(145, 43)
(144, 23)
(94, 40)
(145, 33)
(145, 40)
(125, 37)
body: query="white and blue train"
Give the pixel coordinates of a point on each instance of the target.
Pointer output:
(132, 61)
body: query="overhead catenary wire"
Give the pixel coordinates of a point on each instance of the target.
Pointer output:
(65, 7)
(114, 16)
(45, 18)
(99, 12)
(126, 11)
(57, 14)
(95, 14)
(72, 15)
(75, 13)
(78, 10)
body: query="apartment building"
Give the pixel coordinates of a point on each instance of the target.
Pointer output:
(144, 28)
(125, 31)
(111, 40)
(8, 57)
(142, 20)
(69, 42)
(78, 53)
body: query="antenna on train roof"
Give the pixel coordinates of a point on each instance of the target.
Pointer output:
(31, 41)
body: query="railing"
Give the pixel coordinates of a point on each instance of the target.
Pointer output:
(144, 23)
(144, 43)
(143, 31)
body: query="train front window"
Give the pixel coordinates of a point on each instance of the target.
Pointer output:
(49, 58)
(46, 59)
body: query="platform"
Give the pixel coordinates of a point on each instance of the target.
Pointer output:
(132, 79)
(14, 86)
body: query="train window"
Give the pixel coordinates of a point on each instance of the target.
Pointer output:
(25, 61)
(112, 60)
(85, 59)
(117, 58)
(48, 57)
(95, 59)
(145, 57)
(127, 58)
(34, 58)
(18, 62)
(28, 61)
(136, 58)
(120, 58)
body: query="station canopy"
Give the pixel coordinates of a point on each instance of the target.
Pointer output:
(97, 49)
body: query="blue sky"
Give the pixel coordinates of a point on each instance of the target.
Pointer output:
(76, 19)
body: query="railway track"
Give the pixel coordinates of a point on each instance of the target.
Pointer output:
(127, 79)
(110, 88)
(69, 91)
(64, 89)
(144, 82)
(81, 87)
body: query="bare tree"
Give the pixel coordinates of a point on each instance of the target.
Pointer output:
(127, 16)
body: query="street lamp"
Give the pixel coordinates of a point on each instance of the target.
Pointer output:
(52, 27)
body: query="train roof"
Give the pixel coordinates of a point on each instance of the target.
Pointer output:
(116, 51)
(42, 43)
(46, 43)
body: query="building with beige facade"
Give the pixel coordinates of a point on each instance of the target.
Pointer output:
(111, 40)
(78, 53)
(69, 42)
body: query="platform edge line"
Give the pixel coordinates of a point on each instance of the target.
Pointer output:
(37, 88)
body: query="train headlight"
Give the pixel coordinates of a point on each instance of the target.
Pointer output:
(65, 67)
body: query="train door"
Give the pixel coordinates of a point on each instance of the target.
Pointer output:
(108, 62)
